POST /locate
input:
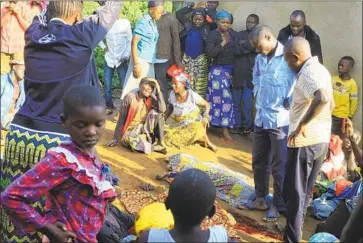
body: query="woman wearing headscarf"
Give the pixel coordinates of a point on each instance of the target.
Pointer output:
(185, 124)
(194, 36)
(222, 46)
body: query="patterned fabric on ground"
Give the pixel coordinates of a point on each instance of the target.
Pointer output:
(23, 149)
(183, 131)
(197, 70)
(323, 237)
(231, 186)
(219, 96)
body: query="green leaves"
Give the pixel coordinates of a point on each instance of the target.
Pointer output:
(131, 10)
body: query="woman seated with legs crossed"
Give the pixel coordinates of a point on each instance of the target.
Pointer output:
(185, 124)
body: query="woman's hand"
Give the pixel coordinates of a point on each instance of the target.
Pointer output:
(58, 232)
(225, 38)
(205, 122)
(137, 70)
(111, 143)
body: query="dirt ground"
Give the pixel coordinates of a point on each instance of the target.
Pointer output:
(135, 168)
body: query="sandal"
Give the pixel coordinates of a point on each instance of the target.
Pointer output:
(272, 215)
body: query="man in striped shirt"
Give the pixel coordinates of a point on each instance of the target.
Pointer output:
(309, 131)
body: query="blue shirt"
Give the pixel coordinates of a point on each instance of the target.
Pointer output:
(194, 43)
(147, 30)
(273, 83)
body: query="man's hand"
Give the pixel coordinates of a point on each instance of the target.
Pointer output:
(300, 131)
(137, 70)
(58, 232)
(111, 143)
(349, 129)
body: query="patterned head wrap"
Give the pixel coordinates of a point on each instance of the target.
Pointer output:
(182, 78)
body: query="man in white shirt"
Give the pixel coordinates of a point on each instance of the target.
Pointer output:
(117, 53)
(309, 131)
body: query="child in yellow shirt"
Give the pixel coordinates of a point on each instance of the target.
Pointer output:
(345, 93)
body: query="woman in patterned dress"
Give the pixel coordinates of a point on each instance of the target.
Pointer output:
(184, 123)
(222, 46)
(195, 60)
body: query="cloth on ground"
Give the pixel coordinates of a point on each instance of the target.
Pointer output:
(335, 223)
(221, 217)
(231, 186)
(325, 205)
(154, 215)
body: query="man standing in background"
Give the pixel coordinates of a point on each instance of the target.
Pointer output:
(298, 27)
(168, 49)
(117, 53)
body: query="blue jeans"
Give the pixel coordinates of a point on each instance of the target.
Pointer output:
(108, 75)
(243, 116)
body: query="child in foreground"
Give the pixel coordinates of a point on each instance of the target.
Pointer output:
(77, 186)
(191, 199)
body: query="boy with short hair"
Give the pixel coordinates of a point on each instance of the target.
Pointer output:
(345, 92)
(191, 199)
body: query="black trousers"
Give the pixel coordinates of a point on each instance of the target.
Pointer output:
(115, 227)
(303, 165)
(161, 76)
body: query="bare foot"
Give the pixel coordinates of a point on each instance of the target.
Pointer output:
(260, 204)
(226, 136)
(160, 149)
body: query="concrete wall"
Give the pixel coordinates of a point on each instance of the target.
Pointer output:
(339, 25)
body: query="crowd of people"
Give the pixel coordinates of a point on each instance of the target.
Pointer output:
(179, 75)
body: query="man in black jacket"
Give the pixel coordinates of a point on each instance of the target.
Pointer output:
(168, 49)
(242, 80)
(298, 27)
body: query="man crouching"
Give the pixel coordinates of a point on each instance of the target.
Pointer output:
(141, 119)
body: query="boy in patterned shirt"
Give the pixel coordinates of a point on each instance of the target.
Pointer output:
(345, 93)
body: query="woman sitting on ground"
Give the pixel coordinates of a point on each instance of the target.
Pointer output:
(185, 125)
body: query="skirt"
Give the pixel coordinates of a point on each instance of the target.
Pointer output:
(183, 131)
(24, 147)
(220, 96)
(197, 70)
(132, 83)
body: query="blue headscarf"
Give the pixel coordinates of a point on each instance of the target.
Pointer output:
(223, 14)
